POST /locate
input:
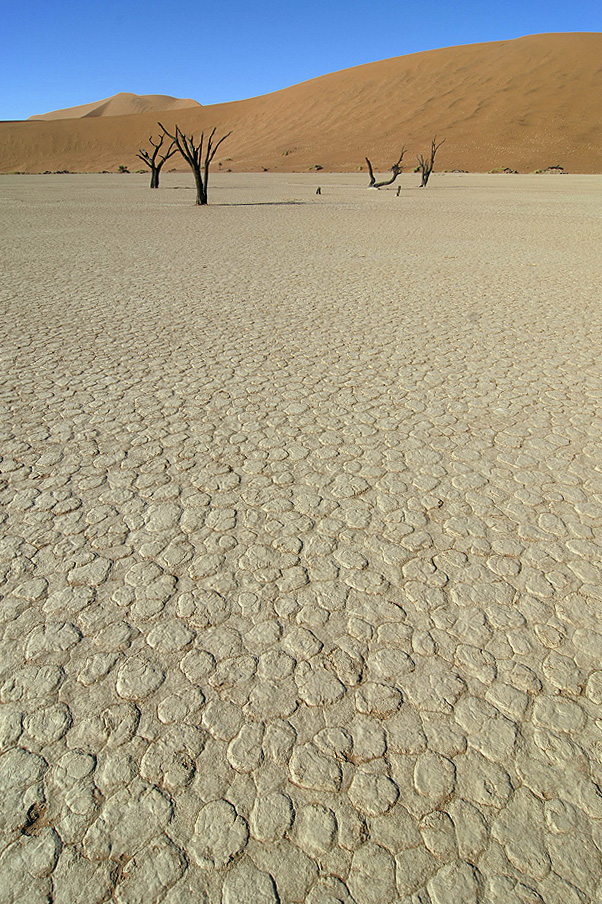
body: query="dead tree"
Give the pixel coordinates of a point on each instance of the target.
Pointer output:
(426, 166)
(193, 155)
(155, 160)
(395, 170)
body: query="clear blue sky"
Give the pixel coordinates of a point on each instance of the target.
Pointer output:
(60, 54)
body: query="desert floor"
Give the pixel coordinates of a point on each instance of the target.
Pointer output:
(301, 588)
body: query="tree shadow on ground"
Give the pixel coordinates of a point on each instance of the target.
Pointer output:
(259, 203)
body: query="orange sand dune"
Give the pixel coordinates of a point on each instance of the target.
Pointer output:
(526, 104)
(122, 104)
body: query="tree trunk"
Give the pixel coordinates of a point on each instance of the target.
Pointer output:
(155, 177)
(372, 176)
(206, 168)
(201, 191)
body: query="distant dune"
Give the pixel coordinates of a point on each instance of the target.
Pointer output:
(525, 104)
(121, 105)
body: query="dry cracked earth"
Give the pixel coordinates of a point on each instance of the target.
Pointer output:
(301, 590)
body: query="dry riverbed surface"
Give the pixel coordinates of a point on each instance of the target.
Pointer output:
(300, 566)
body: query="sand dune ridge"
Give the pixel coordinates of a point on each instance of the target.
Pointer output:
(525, 104)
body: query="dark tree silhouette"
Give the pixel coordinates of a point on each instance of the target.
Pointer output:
(395, 170)
(155, 160)
(193, 155)
(426, 165)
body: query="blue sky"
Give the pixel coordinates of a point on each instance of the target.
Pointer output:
(60, 54)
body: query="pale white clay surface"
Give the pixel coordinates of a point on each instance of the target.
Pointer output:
(300, 568)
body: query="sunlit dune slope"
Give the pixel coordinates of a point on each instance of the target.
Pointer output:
(525, 104)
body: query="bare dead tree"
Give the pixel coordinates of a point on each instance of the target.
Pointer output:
(155, 160)
(193, 155)
(426, 165)
(395, 170)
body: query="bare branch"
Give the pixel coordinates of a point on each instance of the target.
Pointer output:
(172, 149)
(398, 164)
(395, 170)
(217, 145)
(159, 143)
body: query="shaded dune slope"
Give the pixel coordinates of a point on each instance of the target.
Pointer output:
(525, 104)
